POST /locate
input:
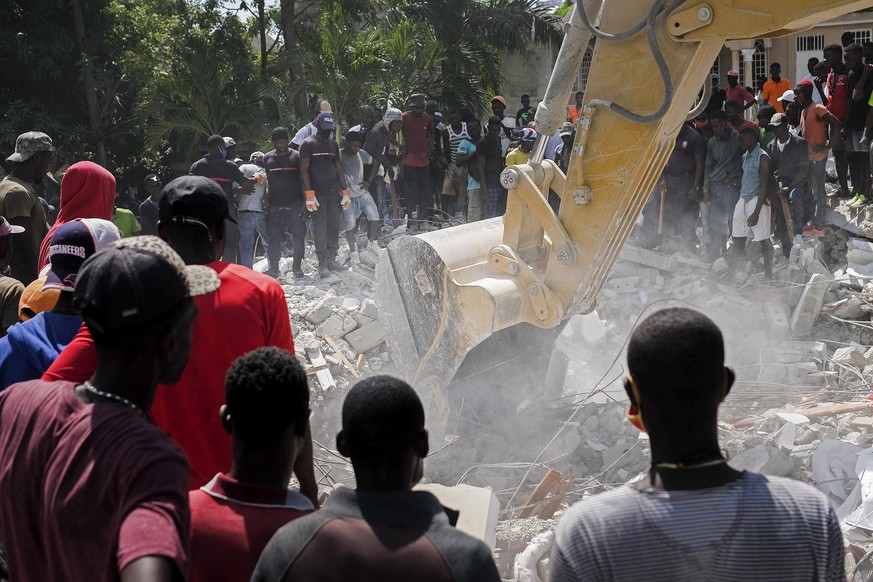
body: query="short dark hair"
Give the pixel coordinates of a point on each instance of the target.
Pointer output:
(266, 392)
(578, 93)
(215, 141)
(775, 64)
(279, 133)
(354, 136)
(847, 37)
(676, 355)
(733, 104)
(717, 115)
(751, 131)
(525, 96)
(813, 60)
(381, 418)
(834, 48)
(855, 48)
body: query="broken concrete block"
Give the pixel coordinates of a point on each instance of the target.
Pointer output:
(319, 312)
(478, 508)
(778, 319)
(764, 459)
(336, 326)
(366, 338)
(810, 304)
(624, 285)
(369, 309)
(648, 258)
(852, 356)
(350, 303)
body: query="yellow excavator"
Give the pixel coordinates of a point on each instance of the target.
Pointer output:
(481, 305)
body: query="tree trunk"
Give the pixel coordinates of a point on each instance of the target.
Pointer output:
(262, 32)
(89, 82)
(295, 70)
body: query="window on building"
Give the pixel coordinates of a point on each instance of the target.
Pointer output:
(810, 42)
(861, 35)
(759, 67)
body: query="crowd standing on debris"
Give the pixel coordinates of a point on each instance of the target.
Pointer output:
(825, 118)
(152, 411)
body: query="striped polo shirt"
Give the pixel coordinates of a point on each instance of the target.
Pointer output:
(756, 528)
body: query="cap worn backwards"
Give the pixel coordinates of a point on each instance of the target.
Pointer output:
(72, 244)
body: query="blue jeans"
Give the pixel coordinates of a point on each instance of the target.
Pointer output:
(250, 224)
(722, 202)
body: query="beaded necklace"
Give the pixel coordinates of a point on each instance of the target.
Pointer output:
(120, 399)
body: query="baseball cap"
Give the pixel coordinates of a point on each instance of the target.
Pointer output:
(778, 119)
(498, 98)
(417, 99)
(733, 73)
(36, 300)
(193, 200)
(527, 134)
(392, 114)
(6, 229)
(567, 128)
(229, 142)
(325, 120)
(72, 244)
(134, 281)
(28, 144)
(788, 96)
(437, 114)
(324, 106)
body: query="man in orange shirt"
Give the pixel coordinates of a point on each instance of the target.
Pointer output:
(814, 122)
(775, 87)
(575, 111)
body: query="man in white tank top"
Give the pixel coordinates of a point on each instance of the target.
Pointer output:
(455, 183)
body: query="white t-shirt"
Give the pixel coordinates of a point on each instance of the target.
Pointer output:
(353, 168)
(252, 201)
(303, 133)
(756, 528)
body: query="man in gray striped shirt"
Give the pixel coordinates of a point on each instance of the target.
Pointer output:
(694, 517)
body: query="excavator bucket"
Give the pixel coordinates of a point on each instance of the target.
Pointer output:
(480, 305)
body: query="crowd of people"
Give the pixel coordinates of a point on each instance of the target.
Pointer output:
(737, 179)
(153, 413)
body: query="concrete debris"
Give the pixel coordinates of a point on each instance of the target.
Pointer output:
(477, 507)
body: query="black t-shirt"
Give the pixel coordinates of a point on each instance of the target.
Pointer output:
(522, 111)
(858, 109)
(283, 178)
(322, 155)
(215, 167)
(492, 151)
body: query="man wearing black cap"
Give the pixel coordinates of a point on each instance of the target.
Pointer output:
(148, 210)
(418, 134)
(248, 311)
(218, 166)
(90, 489)
(285, 203)
(19, 204)
(325, 191)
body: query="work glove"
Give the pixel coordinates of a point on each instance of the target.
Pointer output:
(311, 202)
(347, 199)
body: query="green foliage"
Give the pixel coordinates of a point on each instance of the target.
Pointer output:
(564, 9)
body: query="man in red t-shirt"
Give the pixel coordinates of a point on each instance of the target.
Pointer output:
(89, 488)
(418, 135)
(235, 515)
(248, 311)
(838, 106)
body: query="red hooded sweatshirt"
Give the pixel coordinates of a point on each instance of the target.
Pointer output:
(87, 191)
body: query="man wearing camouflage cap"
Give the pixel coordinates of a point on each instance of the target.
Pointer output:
(19, 203)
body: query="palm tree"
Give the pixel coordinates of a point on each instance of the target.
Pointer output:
(206, 96)
(474, 32)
